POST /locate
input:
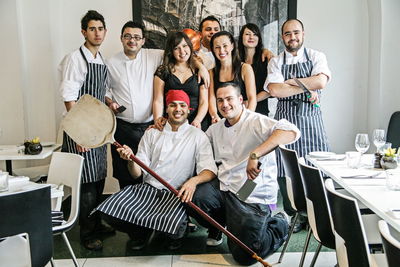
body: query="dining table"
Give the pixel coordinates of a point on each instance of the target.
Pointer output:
(22, 183)
(10, 153)
(365, 183)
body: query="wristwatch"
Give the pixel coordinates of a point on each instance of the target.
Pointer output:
(254, 156)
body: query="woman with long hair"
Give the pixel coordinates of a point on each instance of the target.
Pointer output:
(250, 46)
(178, 73)
(229, 68)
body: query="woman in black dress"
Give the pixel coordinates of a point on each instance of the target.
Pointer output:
(229, 68)
(178, 73)
(250, 47)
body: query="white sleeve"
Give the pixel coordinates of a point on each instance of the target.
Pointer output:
(274, 73)
(204, 155)
(72, 78)
(320, 64)
(287, 126)
(144, 149)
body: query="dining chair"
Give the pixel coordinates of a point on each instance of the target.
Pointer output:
(390, 245)
(19, 245)
(66, 169)
(296, 196)
(350, 239)
(393, 131)
(319, 215)
(29, 212)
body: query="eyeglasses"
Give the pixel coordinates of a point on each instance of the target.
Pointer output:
(129, 37)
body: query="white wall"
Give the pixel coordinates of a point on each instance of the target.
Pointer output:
(359, 38)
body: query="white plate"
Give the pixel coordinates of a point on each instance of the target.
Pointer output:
(321, 154)
(47, 144)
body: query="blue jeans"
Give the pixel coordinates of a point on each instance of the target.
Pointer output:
(251, 223)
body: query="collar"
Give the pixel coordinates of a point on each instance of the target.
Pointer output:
(300, 53)
(89, 56)
(126, 58)
(227, 124)
(181, 129)
(204, 49)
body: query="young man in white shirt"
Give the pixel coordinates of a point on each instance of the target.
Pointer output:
(84, 72)
(175, 153)
(241, 141)
(311, 68)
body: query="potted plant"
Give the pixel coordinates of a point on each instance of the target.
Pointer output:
(388, 160)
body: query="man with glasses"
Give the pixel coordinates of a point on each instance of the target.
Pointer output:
(131, 86)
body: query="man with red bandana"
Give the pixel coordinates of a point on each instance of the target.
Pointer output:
(175, 153)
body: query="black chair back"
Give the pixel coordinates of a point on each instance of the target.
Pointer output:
(320, 217)
(348, 225)
(290, 163)
(390, 244)
(29, 212)
(393, 132)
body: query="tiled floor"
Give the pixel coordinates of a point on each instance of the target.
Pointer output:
(325, 259)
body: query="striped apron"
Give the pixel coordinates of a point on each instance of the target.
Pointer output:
(147, 206)
(302, 113)
(95, 163)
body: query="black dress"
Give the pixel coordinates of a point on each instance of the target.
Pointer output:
(239, 82)
(260, 73)
(190, 87)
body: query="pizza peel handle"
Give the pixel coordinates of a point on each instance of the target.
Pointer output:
(92, 124)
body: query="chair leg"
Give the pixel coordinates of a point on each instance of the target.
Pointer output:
(70, 249)
(53, 264)
(316, 255)
(307, 242)
(288, 238)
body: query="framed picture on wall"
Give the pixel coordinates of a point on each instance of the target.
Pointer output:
(162, 16)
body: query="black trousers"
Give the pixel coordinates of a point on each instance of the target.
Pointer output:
(126, 134)
(90, 198)
(251, 223)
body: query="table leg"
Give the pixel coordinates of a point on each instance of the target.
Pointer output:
(9, 167)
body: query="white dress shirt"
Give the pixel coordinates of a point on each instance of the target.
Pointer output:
(320, 65)
(131, 83)
(175, 155)
(73, 70)
(232, 146)
(209, 60)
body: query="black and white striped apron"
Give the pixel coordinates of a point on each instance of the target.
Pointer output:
(302, 113)
(147, 206)
(95, 163)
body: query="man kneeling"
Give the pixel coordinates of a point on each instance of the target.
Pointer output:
(241, 141)
(174, 154)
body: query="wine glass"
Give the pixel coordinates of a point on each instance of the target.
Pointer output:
(362, 143)
(379, 138)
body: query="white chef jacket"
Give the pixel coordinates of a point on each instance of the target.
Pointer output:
(320, 65)
(73, 70)
(175, 155)
(232, 146)
(131, 83)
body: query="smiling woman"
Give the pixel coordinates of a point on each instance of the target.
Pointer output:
(177, 72)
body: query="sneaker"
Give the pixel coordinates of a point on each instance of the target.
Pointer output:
(175, 244)
(93, 244)
(137, 244)
(192, 227)
(214, 238)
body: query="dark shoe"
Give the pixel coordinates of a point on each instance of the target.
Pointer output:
(299, 225)
(175, 244)
(192, 227)
(214, 238)
(105, 230)
(137, 244)
(93, 244)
